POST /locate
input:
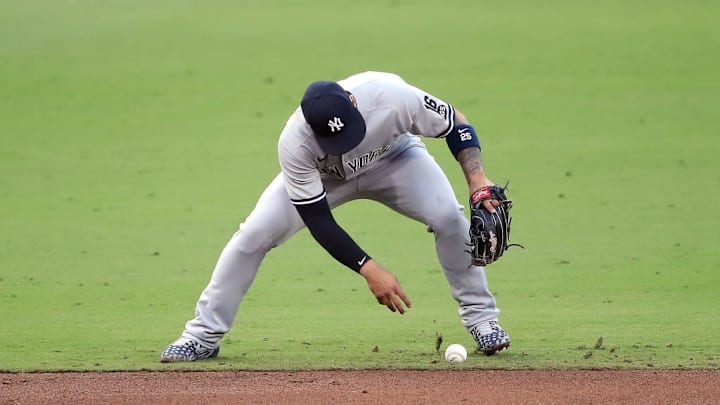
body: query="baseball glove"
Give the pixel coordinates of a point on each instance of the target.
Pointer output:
(489, 232)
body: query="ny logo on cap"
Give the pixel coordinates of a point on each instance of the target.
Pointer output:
(335, 124)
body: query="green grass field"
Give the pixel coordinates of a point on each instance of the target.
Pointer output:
(136, 135)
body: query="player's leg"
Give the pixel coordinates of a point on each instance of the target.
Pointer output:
(415, 185)
(271, 222)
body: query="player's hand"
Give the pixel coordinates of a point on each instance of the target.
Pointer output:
(490, 205)
(385, 287)
(487, 201)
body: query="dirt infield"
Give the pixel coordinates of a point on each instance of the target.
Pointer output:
(365, 387)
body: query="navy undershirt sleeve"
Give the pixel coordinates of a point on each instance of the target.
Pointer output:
(330, 235)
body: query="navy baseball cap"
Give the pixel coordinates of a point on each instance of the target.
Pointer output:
(338, 125)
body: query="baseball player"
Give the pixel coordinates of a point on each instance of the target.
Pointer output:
(357, 138)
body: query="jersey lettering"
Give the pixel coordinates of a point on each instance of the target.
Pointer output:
(333, 170)
(331, 165)
(432, 105)
(364, 160)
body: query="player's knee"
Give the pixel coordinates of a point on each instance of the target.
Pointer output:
(447, 220)
(251, 239)
(252, 236)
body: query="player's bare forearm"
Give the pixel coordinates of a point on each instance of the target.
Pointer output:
(471, 162)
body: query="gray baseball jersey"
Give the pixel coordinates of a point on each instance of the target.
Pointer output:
(393, 110)
(391, 165)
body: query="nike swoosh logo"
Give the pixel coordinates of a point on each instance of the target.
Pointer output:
(362, 261)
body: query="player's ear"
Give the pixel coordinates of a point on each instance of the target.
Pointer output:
(352, 98)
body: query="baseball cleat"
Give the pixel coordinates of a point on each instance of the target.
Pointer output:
(490, 337)
(186, 349)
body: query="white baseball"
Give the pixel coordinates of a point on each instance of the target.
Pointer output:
(455, 353)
